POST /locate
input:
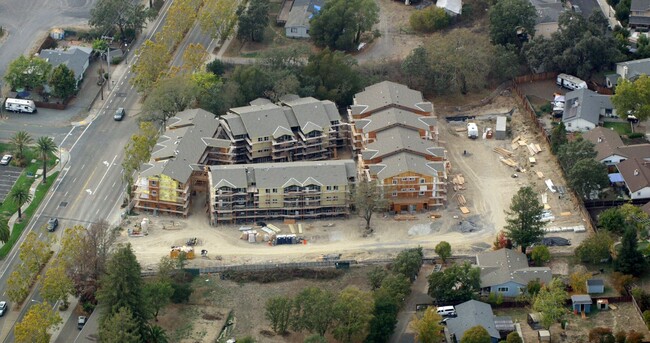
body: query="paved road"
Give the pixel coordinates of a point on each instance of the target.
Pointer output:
(28, 19)
(195, 36)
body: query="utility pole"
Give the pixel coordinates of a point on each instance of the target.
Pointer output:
(108, 59)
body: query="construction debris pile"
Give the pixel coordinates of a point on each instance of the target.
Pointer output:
(271, 234)
(424, 229)
(469, 224)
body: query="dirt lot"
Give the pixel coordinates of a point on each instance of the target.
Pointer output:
(217, 297)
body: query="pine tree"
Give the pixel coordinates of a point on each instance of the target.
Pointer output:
(630, 260)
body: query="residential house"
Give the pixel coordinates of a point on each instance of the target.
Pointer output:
(295, 129)
(177, 164)
(470, 314)
(76, 58)
(548, 14)
(301, 12)
(289, 190)
(610, 149)
(452, 7)
(629, 70)
(583, 109)
(506, 272)
(639, 15)
(394, 135)
(636, 175)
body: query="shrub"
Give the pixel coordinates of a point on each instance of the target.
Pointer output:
(279, 274)
(117, 60)
(546, 108)
(182, 292)
(635, 135)
(429, 19)
(646, 318)
(621, 281)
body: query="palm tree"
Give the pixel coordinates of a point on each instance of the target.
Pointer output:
(20, 195)
(156, 334)
(4, 230)
(20, 140)
(45, 146)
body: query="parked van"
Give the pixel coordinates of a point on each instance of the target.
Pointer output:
(446, 311)
(570, 82)
(20, 105)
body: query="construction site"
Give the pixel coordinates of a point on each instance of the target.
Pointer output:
(485, 173)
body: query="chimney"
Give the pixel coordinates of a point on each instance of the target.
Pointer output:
(636, 172)
(600, 139)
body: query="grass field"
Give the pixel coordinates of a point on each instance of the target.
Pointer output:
(621, 128)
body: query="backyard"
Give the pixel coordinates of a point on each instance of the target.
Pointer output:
(621, 128)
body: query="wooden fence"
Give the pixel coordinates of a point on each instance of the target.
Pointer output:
(535, 77)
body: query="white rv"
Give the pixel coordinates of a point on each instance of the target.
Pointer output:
(570, 82)
(20, 105)
(472, 130)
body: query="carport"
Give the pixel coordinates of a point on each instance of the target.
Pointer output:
(8, 177)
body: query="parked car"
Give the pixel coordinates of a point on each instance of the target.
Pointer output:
(81, 321)
(119, 114)
(52, 224)
(6, 159)
(3, 308)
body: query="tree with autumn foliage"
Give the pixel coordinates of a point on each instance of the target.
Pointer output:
(36, 323)
(502, 241)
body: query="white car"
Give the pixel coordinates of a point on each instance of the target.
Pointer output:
(5, 160)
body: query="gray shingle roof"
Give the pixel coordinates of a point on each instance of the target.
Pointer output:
(595, 282)
(635, 173)
(309, 111)
(302, 11)
(585, 104)
(167, 143)
(278, 175)
(262, 120)
(581, 299)
(405, 162)
(504, 265)
(389, 93)
(398, 139)
(640, 5)
(472, 313)
(636, 67)
(392, 116)
(74, 58)
(235, 124)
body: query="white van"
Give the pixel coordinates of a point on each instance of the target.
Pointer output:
(446, 311)
(570, 82)
(20, 105)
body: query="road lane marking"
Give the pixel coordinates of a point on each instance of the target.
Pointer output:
(83, 166)
(40, 234)
(65, 195)
(66, 136)
(75, 180)
(106, 172)
(113, 186)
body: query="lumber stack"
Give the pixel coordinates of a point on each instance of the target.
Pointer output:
(503, 152)
(461, 200)
(458, 181)
(534, 149)
(509, 162)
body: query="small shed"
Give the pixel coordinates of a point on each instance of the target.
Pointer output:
(534, 320)
(581, 303)
(595, 286)
(544, 336)
(501, 128)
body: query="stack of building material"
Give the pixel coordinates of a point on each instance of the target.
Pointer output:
(458, 182)
(403, 217)
(300, 228)
(292, 228)
(274, 228)
(250, 236)
(509, 162)
(503, 152)
(534, 149)
(461, 200)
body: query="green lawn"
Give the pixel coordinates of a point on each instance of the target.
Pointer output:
(621, 128)
(41, 191)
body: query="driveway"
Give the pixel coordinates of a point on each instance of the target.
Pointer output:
(8, 177)
(402, 333)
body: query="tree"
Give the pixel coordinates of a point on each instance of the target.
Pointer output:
(588, 177)
(253, 81)
(100, 46)
(278, 312)
(193, 58)
(313, 310)
(368, 199)
(218, 17)
(157, 295)
(524, 226)
(28, 73)
(34, 253)
(540, 255)
(5, 233)
(508, 18)
(19, 283)
(120, 327)
(633, 98)
(150, 65)
(253, 20)
(476, 334)
(550, 302)
(168, 97)
(595, 248)
(502, 241)
(513, 337)
(621, 282)
(353, 312)
(443, 249)
(456, 284)
(558, 137)
(138, 151)
(57, 286)
(408, 262)
(601, 334)
(20, 195)
(578, 281)
(376, 276)
(429, 19)
(427, 329)
(384, 318)
(333, 76)
(45, 146)
(612, 220)
(121, 287)
(155, 334)
(635, 217)
(63, 82)
(124, 14)
(19, 141)
(33, 328)
(340, 23)
(417, 69)
(572, 152)
(630, 260)
(397, 286)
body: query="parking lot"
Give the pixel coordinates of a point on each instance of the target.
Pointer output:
(8, 176)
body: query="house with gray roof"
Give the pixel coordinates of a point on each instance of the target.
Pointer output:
(639, 15)
(470, 314)
(289, 190)
(629, 70)
(506, 272)
(635, 173)
(301, 12)
(610, 149)
(451, 7)
(583, 109)
(75, 58)
(548, 15)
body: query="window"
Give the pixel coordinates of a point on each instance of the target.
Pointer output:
(422, 180)
(411, 179)
(260, 139)
(329, 188)
(502, 289)
(395, 180)
(335, 198)
(154, 193)
(267, 202)
(154, 183)
(394, 194)
(405, 179)
(421, 193)
(568, 124)
(336, 188)
(294, 30)
(274, 190)
(275, 201)
(266, 139)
